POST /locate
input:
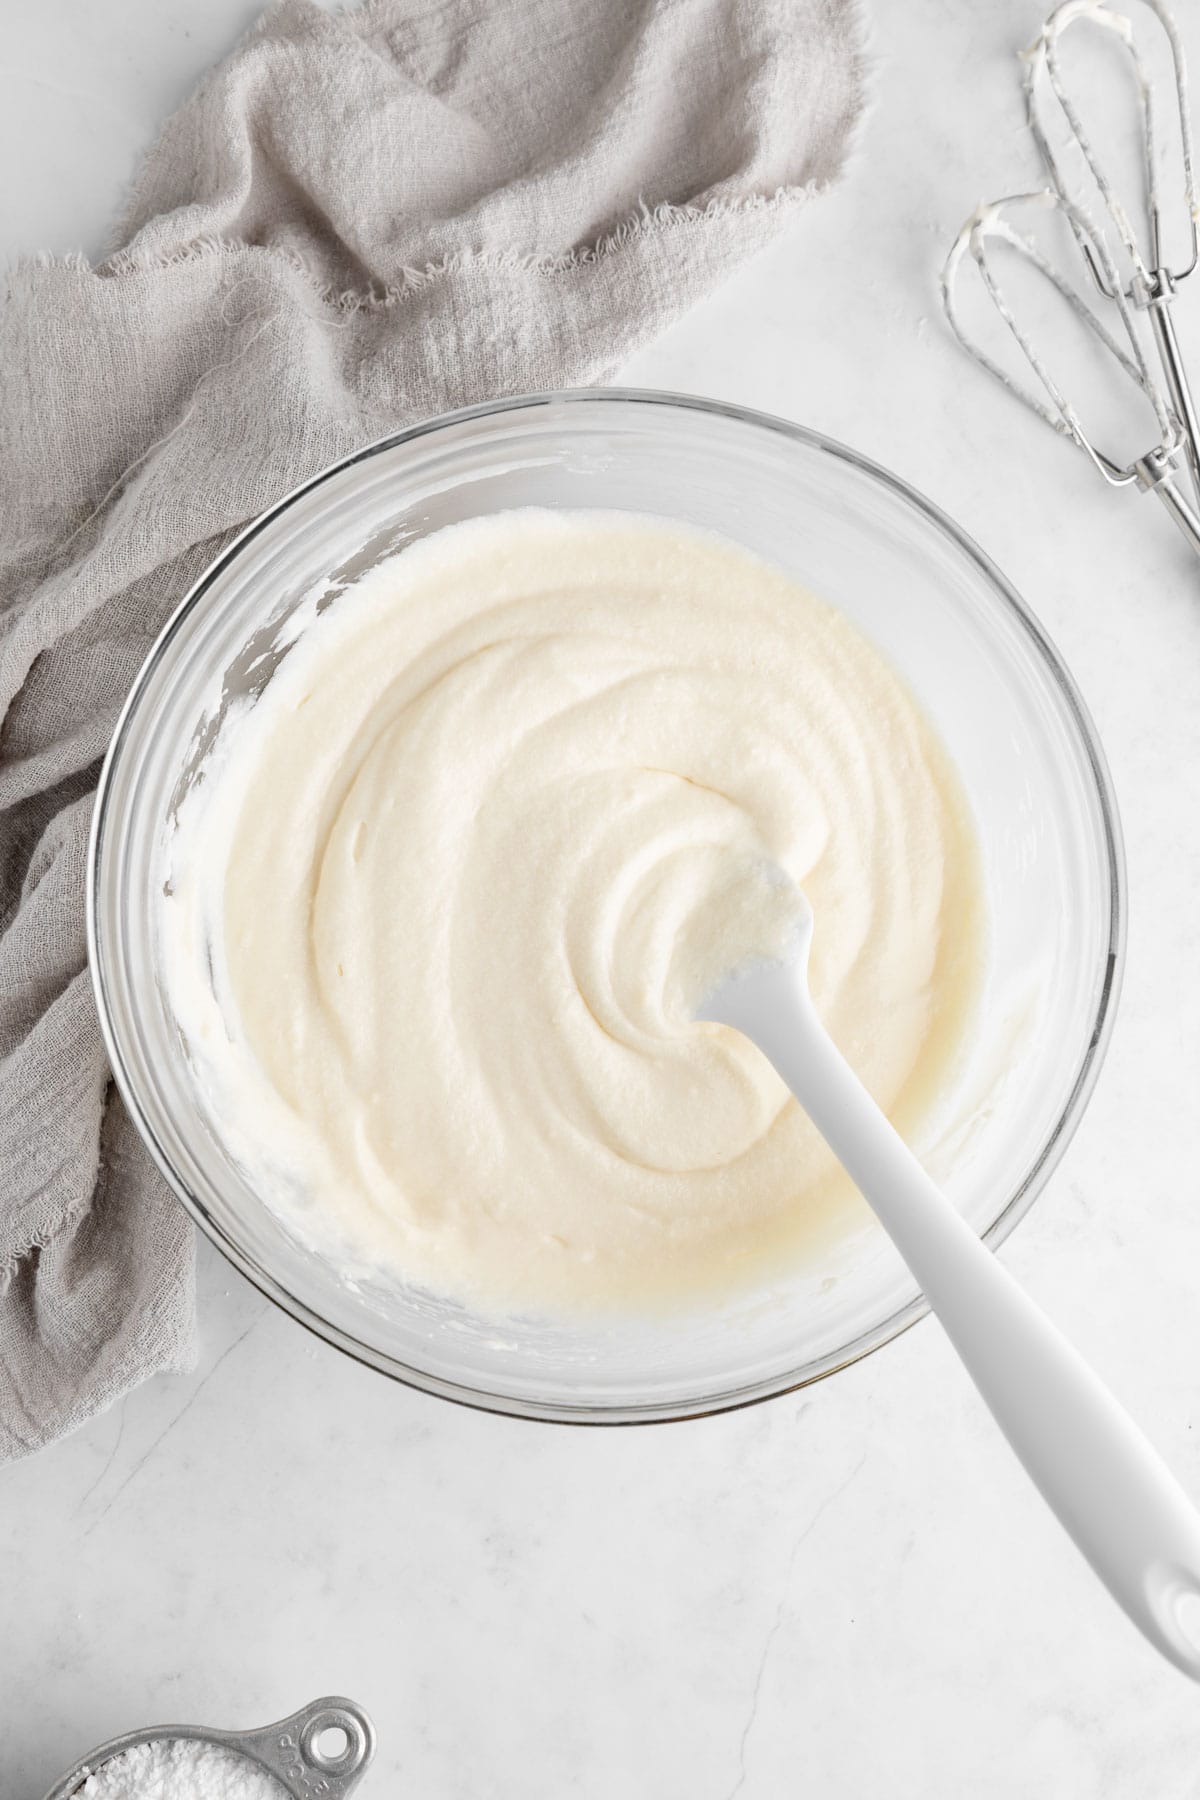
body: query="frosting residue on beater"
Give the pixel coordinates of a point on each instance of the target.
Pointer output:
(434, 920)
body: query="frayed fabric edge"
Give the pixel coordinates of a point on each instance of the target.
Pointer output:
(42, 1239)
(648, 221)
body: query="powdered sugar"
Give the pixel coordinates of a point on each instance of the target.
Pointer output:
(180, 1769)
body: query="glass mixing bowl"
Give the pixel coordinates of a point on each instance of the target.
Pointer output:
(987, 677)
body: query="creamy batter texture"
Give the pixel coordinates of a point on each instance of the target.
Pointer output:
(437, 917)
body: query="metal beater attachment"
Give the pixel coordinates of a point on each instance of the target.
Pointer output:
(992, 224)
(1148, 289)
(1151, 283)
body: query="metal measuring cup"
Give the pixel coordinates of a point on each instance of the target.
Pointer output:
(289, 1750)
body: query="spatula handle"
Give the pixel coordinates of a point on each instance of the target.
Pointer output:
(1110, 1489)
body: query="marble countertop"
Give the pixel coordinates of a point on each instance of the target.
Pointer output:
(847, 1593)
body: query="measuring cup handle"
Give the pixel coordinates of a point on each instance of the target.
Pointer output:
(291, 1749)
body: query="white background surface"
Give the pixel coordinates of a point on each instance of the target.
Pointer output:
(845, 1594)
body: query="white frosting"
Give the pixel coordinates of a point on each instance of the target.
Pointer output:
(437, 916)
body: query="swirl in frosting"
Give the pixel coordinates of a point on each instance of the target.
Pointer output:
(484, 838)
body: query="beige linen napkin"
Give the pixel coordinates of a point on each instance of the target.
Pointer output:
(355, 221)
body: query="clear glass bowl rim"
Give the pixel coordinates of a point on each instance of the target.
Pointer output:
(1036, 1176)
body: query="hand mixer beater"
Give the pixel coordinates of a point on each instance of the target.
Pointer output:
(1131, 275)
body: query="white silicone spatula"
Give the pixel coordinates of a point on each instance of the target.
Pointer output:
(1111, 1490)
